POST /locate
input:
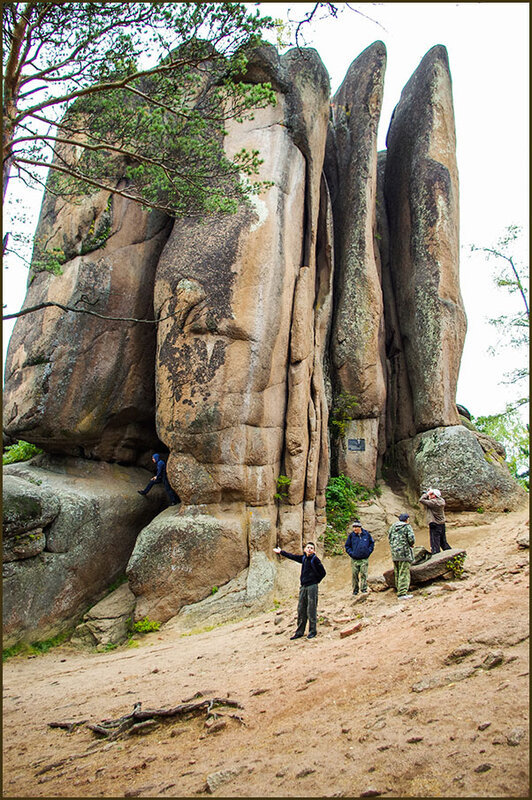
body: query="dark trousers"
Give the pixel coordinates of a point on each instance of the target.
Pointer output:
(438, 540)
(172, 496)
(306, 608)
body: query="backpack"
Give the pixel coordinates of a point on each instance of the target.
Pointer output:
(319, 578)
(421, 554)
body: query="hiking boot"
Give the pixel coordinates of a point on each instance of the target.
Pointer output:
(296, 636)
(311, 635)
(405, 596)
(355, 591)
(142, 493)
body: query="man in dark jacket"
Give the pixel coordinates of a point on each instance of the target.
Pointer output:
(359, 546)
(161, 477)
(312, 572)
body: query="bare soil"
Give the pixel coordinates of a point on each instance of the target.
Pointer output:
(429, 698)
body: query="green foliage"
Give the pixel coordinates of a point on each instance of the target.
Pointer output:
(146, 625)
(35, 648)
(509, 429)
(456, 565)
(144, 92)
(48, 260)
(98, 233)
(283, 485)
(342, 413)
(342, 498)
(20, 451)
(511, 276)
(214, 590)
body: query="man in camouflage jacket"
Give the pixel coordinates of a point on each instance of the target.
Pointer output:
(402, 541)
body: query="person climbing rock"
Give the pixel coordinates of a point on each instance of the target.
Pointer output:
(161, 477)
(402, 540)
(312, 572)
(434, 506)
(359, 546)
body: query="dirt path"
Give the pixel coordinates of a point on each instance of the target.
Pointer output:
(386, 711)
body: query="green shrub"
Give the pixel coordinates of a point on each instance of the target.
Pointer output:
(342, 498)
(456, 564)
(283, 484)
(20, 451)
(342, 413)
(146, 625)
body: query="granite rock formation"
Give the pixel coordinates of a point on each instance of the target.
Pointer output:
(339, 281)
(85, 517)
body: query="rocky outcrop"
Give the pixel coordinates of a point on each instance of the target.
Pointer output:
(421, 193)
(357, 342)
(336, 286)
(77, 383)
(85, 517)
(467, 467)
(239, 377)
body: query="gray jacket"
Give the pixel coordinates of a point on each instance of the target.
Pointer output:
(434, 507)
(402, 540)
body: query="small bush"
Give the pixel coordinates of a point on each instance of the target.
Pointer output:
(283, 484)
(20, 451)
(342, 413)
(146, 625)
(456, 565)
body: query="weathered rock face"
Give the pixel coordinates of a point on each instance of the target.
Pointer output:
(85, 517)
(160, 570)
(340, 280)
(75, 383)
(468, 468)
(421, 191)
(357, 342)
(240, 390)
(108, 621)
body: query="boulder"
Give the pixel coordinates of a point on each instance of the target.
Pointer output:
(421, 192)
(429, 570)
(467, 467)
(247, 594)
(26, 504)
(108, 621)
(181, 556)
(94, 514)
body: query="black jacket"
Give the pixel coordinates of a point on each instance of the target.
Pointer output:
(312, 570)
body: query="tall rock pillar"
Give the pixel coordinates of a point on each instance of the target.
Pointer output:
(421, 191)
(357, 342)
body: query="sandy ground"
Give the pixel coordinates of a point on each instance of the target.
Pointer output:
(428, 699)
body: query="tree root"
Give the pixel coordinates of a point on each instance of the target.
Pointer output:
(140, 722)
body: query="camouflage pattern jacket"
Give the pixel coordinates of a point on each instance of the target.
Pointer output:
(402, 540)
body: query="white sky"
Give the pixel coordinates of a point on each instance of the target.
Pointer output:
(488, 46)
